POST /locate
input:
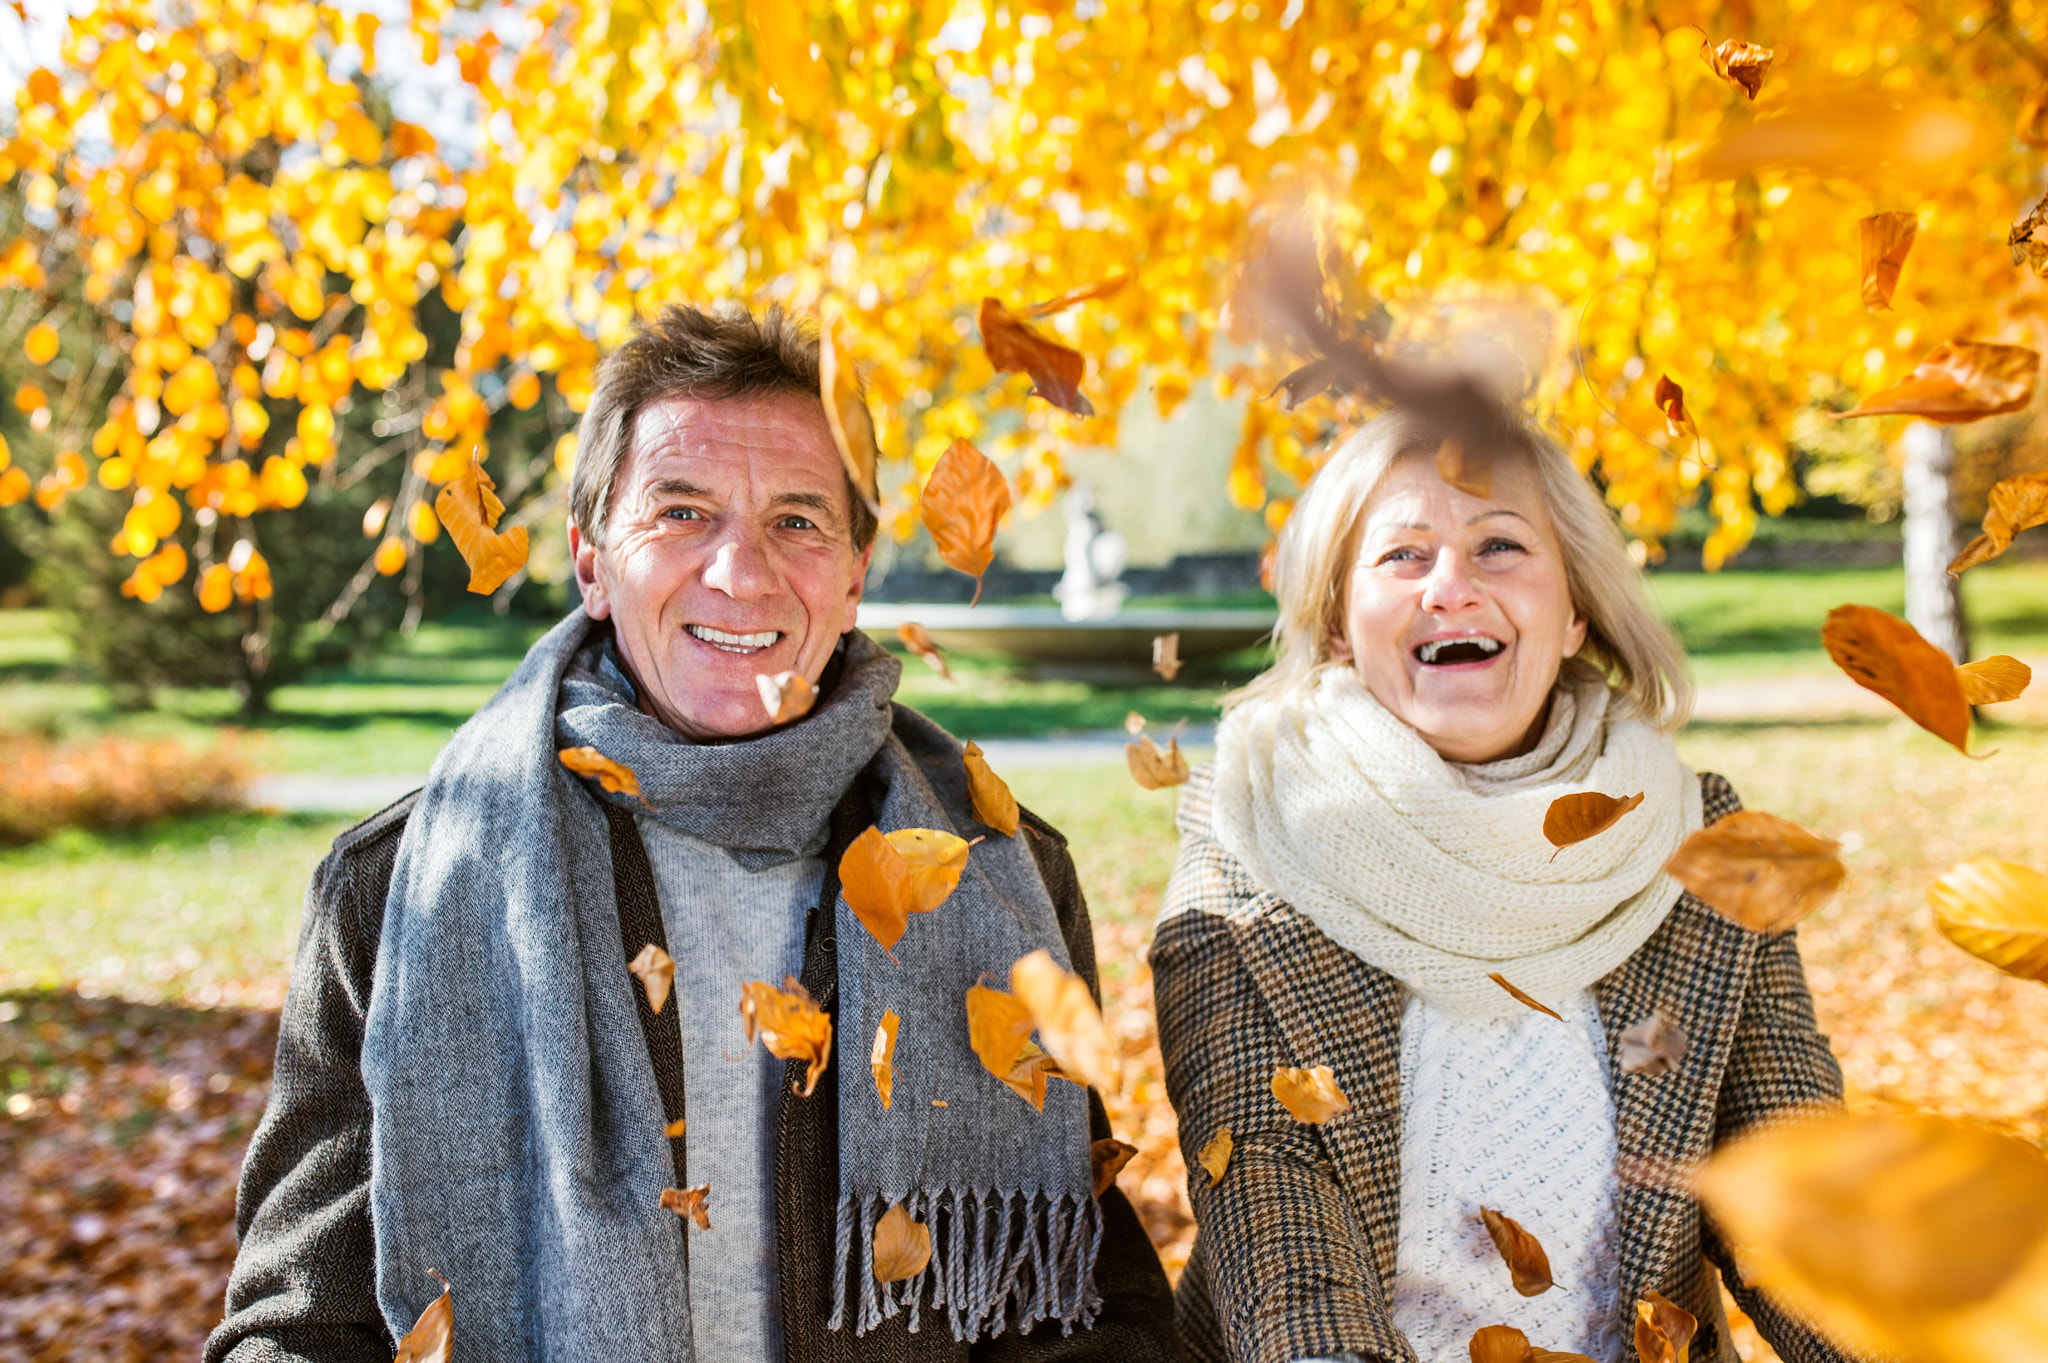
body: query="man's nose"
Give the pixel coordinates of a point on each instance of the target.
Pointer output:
(740, 568)
(1450, 586)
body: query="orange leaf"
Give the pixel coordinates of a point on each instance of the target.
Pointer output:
(1499, 1344)
(694, 1203)
(1215, 1156)
(1575, 818)
(1156, 769)
(1653, 1045)
(902, 1246)
(1741, 64)
(786, 696)
(1069, 1023)
(1997, 910)
(1761, 871)
(1664, 1330)
(1166, 655)
(782, 46)
(1055, 369)
(998, 1025)
(2017, 504)
(1989, 681)
(1134, 724)
(993, 803)
(656, 971)
(1311, 1095)
(1471, 474)
(882, 1058)
(935, 860)
(846, 411)
(2031, 126)
(964, 500)
(616, 777)
(470, 508)
(1519, 997)
(432, 1337)
(675, 1128)
(1109, 1156)
(1960, 381)
(1027, 1077)
(2027, 248)
(1101, 289)
(789, 1024)
(1883, 653)
(918, 641)
(1886, 238)
(1670, 400)
(874, 879)
(1527, 1263)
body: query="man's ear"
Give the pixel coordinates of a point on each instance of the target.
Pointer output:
(583, 554)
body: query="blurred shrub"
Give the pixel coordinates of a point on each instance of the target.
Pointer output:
(112, 783)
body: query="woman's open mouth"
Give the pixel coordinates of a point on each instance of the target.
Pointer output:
(733, 643)
(1477, 648)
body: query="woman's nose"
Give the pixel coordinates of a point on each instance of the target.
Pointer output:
(1450, 586)
(740, 568)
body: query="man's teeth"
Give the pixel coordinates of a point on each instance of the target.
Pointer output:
(733, 643)
(1429, 651)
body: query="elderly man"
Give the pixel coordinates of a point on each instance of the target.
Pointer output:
(471, 1081)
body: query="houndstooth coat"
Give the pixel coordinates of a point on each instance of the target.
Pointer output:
(1294, 1254)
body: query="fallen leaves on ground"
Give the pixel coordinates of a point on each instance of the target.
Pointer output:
(1215, 1156)
(1885, 239)
(694, 1203)
(1575, 818)
(902, 1246)
(616, 777)
(1310, 1095)
(1762, 872)
(1654, 1044)
(990, 796)
(790, 1024)
(1153, 767)
(1664, 1329)
(1526, 1000)
(470, 508)
(1994, 680)
(786, 696)
(1109, 1156)
(1883, 653)
(1166, 655)
(2016, 504)
(1959, 381)
(1741, 64)
(1527, 1264)
(846, 411)
(886, 877)
(1055, 369)
(656, 971)
(919, 641)
(882, 1058)
(432, 1337)
(113, 782)
(1997, 910)
(964, 501)
(1069, 1024)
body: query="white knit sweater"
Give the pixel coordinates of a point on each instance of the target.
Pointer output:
(1516, 1114)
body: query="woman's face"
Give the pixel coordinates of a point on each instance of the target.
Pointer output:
(1457, 613)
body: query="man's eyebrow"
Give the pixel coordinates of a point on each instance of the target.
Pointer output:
(815, 501)
(676, 487)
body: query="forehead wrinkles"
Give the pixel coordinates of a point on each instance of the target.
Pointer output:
(673, 436)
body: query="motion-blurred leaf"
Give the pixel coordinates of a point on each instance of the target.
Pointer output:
(1742, 65)
(1311, 1094)
(882, 1058)
(1527, 1001)
(1166, 655)
(1056, 370)
(1664, 1330)
(1469, 471)
(2028, 240)
(998, 1026)
(2017, 504)
(616, 777)
(1997, 910)
(1886, 239)
(1670, 400)
(1959, 381)
(846, 411)
(1654, 1044)
(432, 1337)
(919, 641)
(1856, 132)
(1763, 872)
(1069, 1024)
(786, 696)
(1154, 768)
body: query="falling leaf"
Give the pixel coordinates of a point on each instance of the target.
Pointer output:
(790, 1024)
(2027, 248)
(964, 500)
(1901, 1235)
(1883, 653)
(1134, 724)
(1471, 474)
(939, 1102)
(1575, 818)
(1670, 400)
(1763, 872)
(2031, 127)
(998, 1026)
(1055, 369)
(432, 1337)
(1311, 1095)
(1521, 998)
(1997, 910)
(882, 1058)
(991, 798)
(1505, 1344)
(1166, 655)
(1526, 1261)
(1886, 239)
(918, 641)
(2017, 504)
(40, 345)
(1313, 380)
(1664, 1330)
(676, 1128)
(616, 777)
(1653, 1045)
(470, 508)
(694, 1203)
(936, 860)
(786, 696)
(656, 971)
(846, 412)
(1068, 1021)
(874, 879)
(1027, 1077)
(1959, 381)
(1741, 64)
(782, 46)
(1154, 768)
(902, 1246)
(1109, 1157)
(1087, 292)
(1989, 681)
(1847, 132)
(1215, 1156)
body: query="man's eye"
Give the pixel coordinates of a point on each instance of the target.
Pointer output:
(797, 523)
(681, 513)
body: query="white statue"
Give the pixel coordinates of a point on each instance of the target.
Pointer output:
(1089, 589)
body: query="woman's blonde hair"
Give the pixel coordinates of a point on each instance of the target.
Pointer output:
(1625, 641)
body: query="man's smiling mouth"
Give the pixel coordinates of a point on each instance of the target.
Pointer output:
(1450, 652)
(734, 643)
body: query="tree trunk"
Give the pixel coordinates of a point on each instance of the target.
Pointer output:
(1934, 600)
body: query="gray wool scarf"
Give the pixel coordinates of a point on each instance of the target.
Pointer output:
(517, 1142)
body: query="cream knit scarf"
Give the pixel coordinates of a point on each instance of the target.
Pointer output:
(1438, 872)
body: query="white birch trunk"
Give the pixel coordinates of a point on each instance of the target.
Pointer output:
(1934, 602)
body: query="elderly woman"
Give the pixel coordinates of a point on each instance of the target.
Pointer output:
(1364, 861)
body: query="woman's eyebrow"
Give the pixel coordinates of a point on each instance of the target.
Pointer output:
(1501, 511)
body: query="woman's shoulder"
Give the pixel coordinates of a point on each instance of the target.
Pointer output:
(1197, 796)
(1717, 797)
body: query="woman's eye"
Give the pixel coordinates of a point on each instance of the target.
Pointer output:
(1403, 555)
(1494, 546)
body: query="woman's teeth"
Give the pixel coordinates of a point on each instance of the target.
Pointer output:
(733, 643)
(1446, 651)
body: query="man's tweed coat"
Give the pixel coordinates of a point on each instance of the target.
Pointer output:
(1295, 1250)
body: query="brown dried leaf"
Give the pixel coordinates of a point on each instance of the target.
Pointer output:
(790, 1024)
(694, 1203)
(1526, 1261)
(2017, 504)
(432, 1337)
(1664, 1330)
(1741, 64)
(1653, 1045)
(616, 777)
(1471, 474)
(1670, 400)
(1311, 1095)
(902, 1246)
(998, 1028)
(1763, 872)
(1055, 369)
(1499, 1344)
(886, 877)
(964, 500)
(786, 696)
(1575, 818)
(1992, 680)
(1215, 1156)
(1109, 1158)
(1156, 768)
(990, 796)
(846, 411)
(1134, 724)
(882, 1058)
(656, 971)
(919, 641)
(1166, 655)
(1997, 910)
(1959, 381)
(1886, 239)
(1313, 380)
(936, 860)
(2028, 240)
(676, 1128)
(1086, 293)
(1883, 653)
(469, 508)
(1069, 1024)
(1519, 997)
(1027, 1077)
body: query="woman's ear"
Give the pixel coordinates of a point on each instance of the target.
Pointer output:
(1339, 646)
(1575, 635)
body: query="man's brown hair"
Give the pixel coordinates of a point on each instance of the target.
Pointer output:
(686, 352)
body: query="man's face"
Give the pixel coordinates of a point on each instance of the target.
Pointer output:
(728, 554)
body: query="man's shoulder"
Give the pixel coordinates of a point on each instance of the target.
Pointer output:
(376, 838)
